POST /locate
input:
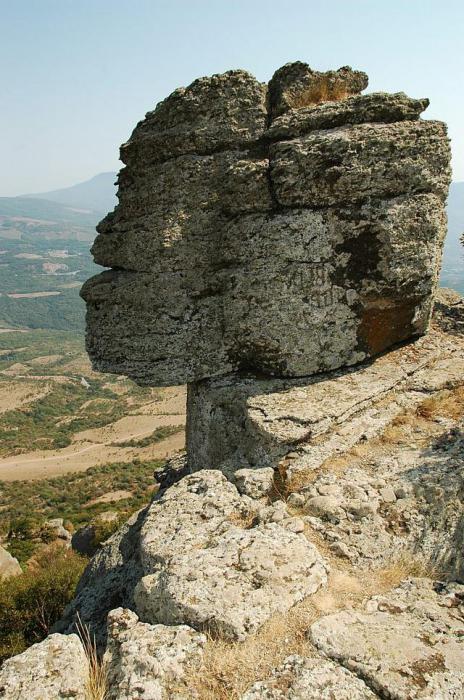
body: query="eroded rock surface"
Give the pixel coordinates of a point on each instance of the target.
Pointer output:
(241, 421)
(287, 229)
(407, 644)
(301, 678)
(150, 662)
(55, 669)
(205, 556)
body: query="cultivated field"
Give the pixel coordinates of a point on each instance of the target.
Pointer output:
(58, 416)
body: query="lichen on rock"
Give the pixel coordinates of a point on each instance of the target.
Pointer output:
(272, 228)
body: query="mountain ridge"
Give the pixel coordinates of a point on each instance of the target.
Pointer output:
(97, 193)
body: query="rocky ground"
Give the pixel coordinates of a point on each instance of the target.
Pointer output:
(333, 571)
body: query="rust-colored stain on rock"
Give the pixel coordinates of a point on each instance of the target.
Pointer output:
(386, 322)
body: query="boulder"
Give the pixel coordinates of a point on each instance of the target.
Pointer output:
(407, 644)
(201, 554)
(55, 669)
(149, 661)
(239, 581)
(287, 250)
(83, 540)
(56, 528)
(9, 565)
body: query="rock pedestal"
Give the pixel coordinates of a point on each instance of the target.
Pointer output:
(284, 229)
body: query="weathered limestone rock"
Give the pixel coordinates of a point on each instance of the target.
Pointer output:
(399, 499)
(380, 107)
(240, 421)
(149, 661)
(56, 528)
(287, 247)
(321, 169)
(203, 555)
(55, 669)
(9, 565)
(310, 679)
(408, 644)
(256, 483)
(236, 584)
(296, 85)
(108, 581)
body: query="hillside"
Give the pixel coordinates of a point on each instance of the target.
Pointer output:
(98, 193)
(44, 258)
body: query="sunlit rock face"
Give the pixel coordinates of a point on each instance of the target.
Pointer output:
(285, 229)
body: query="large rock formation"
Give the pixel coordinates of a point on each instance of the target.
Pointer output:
(287, 229)
(227, 565)
(243, 421)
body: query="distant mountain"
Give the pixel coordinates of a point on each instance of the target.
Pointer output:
(452, 274)
(98, 194)
(47, 212)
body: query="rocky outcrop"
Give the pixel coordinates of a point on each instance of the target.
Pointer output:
(260, 230)
(267, 238)
(241, 421)
(227, 566)
(9, 565)
(408, 644)
(55, 669)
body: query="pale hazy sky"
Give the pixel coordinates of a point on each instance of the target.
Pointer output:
(76, 75)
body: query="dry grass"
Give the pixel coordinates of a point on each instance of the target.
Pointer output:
(404, 565)
(244, 519)
(229, 669)
(96, 686)
(448, 403)
(298, 481)
(321, 91)
(395, 435)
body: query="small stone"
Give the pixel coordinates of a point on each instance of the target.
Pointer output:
(255, 483)
(360, 509)
(341, 550)
(296, 500)
(325, 507)
(404, 491)
(387, 494)
(294, 525)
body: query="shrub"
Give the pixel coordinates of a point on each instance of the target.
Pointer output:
(102, 530)
(32, 602)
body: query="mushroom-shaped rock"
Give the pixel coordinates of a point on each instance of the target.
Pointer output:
(285, 229)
